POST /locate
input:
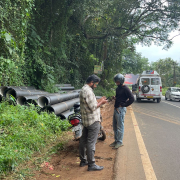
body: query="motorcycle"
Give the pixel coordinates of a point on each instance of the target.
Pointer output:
(77, 126)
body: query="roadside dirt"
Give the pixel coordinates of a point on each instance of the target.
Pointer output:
(65, 164)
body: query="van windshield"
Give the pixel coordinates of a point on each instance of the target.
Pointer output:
(155, 81)
(145, 81)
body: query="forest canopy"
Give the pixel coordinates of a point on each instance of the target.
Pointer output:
(59, 41)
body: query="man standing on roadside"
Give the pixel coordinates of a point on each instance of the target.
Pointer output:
(123, 98)
(90, 113)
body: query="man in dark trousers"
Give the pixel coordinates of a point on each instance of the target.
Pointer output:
(123, 98)
(90, 113)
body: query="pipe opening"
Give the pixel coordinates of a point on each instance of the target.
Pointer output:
(11, 92)
(43, 101)
(21, 100)
(0, 98)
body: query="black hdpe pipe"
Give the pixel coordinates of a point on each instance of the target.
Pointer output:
(63, 85)
(1, 98)
(51, 99)
(24, 100)
(69, 91)
(61, 107)
(65, 114)
(76, 90)
(4, 89)
(17, 92)
(66, 88)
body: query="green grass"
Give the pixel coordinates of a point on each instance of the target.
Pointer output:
(23, 131)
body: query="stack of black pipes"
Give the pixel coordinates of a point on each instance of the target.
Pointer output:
(57, 103)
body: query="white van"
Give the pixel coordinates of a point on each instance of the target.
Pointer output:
(149, 86)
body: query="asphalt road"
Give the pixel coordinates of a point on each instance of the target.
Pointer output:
(159, 124)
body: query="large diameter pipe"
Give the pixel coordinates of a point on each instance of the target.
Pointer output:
(69, 91)
(65, 114)
(51, 99)
(17, 92)
(77, 90)
(24, 100)
(62, 85)
(61, 107)
(66, 88)
(4, 89)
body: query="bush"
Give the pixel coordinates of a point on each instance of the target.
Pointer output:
(100, 91)
(164, 90)
(23, 131)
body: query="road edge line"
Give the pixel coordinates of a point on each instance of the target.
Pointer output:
(148, 169)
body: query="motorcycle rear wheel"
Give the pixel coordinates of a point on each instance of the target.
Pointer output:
(102, 135)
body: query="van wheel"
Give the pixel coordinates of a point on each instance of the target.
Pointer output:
(158, 100)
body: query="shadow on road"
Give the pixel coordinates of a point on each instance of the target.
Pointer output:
(146, 101)
(176, 101)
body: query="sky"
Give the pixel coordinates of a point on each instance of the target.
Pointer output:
(154, 53)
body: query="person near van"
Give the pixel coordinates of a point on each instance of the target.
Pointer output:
(123, 98)
(90, 112)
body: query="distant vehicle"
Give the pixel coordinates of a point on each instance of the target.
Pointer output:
(149, 86)
(173, 93)
(134, 88)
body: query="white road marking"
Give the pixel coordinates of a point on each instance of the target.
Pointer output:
(175, 121)
(148, 169)
(170, 104)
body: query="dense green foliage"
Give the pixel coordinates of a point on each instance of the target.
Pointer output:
(169, 71)
(134, 63)
(14, 18)
(47, 42)
(164, 91)
(100, 91)
(23, 131)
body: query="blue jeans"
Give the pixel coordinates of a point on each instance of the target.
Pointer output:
(118, 124)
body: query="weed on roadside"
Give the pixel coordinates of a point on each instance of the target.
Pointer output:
(25, 132)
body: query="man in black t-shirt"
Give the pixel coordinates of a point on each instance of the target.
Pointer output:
(123, 98)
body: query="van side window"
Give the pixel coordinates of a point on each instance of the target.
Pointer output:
(155, 81)
(145, 81)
